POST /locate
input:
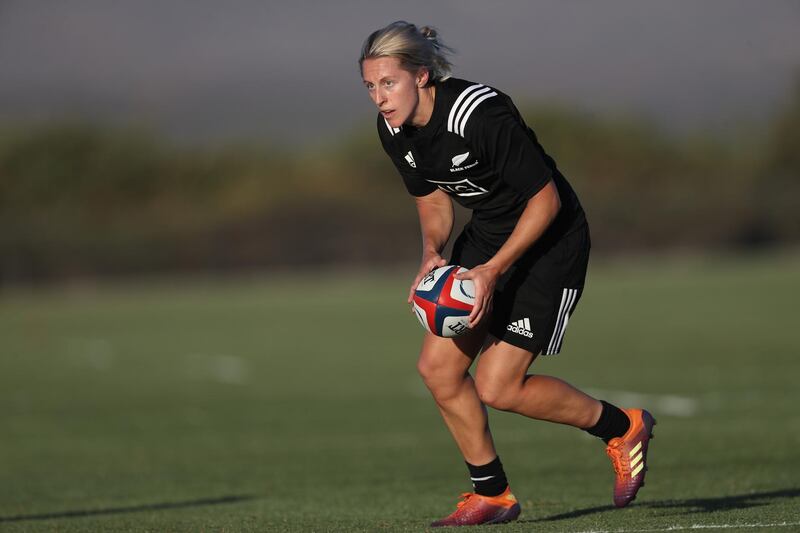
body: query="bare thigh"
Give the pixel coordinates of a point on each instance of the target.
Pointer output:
(444, 362)
(501, 372)
(502, 382)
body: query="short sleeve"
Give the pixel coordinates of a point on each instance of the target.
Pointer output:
(499, 134)
(415, 184)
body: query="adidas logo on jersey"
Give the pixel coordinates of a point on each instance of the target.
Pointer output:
(410, 159)
(521, 327)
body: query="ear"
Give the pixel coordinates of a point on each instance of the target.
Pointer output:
(422, 77)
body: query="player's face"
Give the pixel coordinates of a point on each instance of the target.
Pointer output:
(393, 89)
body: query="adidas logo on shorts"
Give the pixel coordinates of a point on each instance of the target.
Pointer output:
(521, 327)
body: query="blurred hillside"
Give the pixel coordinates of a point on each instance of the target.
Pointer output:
(80, 200)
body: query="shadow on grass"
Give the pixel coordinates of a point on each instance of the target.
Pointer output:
(129, 509)
(695, 505)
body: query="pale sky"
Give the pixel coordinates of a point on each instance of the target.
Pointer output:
(205, 69)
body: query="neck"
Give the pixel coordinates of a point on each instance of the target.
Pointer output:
(422, 115)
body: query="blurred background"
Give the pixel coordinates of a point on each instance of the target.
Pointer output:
(187, 137)
(205, 256)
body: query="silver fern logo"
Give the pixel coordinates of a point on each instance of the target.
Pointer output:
(460, 158)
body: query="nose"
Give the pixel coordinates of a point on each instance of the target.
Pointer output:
(379, 97)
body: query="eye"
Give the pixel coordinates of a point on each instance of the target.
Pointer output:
(388, 83)
(369, 86)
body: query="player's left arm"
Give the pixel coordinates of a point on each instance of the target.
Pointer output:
(502, 138)
(537, 216)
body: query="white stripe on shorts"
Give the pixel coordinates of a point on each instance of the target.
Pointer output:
(568, 298)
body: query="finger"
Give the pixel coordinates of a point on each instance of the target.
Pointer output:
(434, 265)
(476, 309)
(478, 301)
(412, 290)
(482, 307)
(435, 262)
(469, 274)
(478, 317)
(413, 287)
(486, 308)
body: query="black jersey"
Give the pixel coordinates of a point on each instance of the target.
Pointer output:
(477, 148)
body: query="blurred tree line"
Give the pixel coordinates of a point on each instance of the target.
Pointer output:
(78, 200)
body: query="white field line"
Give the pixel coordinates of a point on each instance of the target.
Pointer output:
(659, 404)
(665, 404)
(95, 353)
(227, 369)
(695, 527)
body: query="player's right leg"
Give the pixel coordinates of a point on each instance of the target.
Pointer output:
(444, 367)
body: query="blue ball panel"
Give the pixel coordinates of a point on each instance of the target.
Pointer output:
(443, 312)
(433, 294)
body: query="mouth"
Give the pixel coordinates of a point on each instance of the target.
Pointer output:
(387, 114)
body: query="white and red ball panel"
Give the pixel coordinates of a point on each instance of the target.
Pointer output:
(442, 303)
(421, 314)
(460, 291)
(432, 278)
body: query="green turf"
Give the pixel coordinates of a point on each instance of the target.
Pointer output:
(291, 403)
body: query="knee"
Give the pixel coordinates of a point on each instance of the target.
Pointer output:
(496, 394)
(442, 380)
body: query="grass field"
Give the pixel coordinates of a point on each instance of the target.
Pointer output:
(249, 406)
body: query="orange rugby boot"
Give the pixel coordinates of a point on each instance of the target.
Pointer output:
(628, 455)
(474, 510)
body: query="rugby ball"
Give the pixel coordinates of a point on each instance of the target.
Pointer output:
(442, 303)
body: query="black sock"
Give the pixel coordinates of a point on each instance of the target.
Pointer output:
(613, 423)
(490, 479)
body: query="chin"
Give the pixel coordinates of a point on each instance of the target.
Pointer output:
(395, 121)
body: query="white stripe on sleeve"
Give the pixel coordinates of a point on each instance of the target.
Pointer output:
(454, 109)
(475, 104)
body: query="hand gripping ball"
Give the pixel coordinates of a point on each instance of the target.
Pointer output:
(442, 303)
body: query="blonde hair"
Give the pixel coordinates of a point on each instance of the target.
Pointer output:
(414, 47)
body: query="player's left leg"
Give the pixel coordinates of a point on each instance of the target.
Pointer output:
(502, 382)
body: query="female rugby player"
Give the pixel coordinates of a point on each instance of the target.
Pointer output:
(527, 248)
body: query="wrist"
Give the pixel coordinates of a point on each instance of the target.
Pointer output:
(498, 266)
(430, 251)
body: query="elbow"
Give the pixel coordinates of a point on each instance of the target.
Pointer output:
(555, 201)
(547, 202)
(556, 204)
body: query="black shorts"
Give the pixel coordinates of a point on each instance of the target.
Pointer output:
(534, 300)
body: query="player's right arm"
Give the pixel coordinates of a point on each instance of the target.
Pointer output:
(435, 212)
(434, 207)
